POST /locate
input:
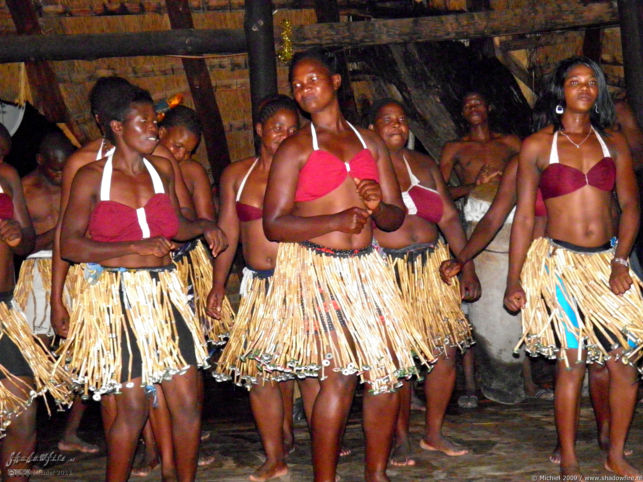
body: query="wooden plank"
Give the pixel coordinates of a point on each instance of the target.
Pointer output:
(47, 97)
(456, 26)
(188, 41)
(205, 103)
(347, 34)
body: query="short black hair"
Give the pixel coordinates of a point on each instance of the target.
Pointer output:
(378, 104)
(117, 103)
(183, 116)
(55, 140)
(270, 105)
(103, 91)
(324, 56)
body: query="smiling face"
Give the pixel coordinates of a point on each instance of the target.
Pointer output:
(139, 130)
(312, 85)
(474, 109)
(179, 140)
(276, 128)
(580, 88)
(392, 126)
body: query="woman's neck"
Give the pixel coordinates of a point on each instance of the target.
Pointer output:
(330, 118)
(576, 122)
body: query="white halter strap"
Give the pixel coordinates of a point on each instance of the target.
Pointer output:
(553, 153)
(106, 183)
(245, 178)
(313, 133)
(99, 153)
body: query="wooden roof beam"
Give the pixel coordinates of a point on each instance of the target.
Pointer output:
(205, 103)
(347, 34)
(42, 79)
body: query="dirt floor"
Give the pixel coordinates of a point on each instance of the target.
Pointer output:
(506, 443)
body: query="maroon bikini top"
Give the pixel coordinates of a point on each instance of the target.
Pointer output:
(112, 221)
(559, 179)
(420, 200)
(247, 212)
(324, 172)
(6, 205)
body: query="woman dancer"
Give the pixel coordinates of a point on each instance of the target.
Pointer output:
(26, 366)
(414, 252)
(243, 185)
(151, 335)
(580, 300)
(332, 308)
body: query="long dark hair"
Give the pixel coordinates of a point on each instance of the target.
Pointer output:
(554, 95)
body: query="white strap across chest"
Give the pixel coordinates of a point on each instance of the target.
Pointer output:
(106, 183)
(313, 133)
(553, 153)
(245, 178)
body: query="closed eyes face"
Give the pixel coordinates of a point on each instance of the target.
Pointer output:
(474, 108)
(139, 129)
(391, 124)
(180, 141)
(276, 128)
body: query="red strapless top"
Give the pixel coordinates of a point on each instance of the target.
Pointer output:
(420, 200)
(247, 212)
(540, 210)
(559, 179)
(6, 206)
(112, 221)
(325, 172)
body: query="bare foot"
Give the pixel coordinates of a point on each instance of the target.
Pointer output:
(604, 445)
(73, 443)
(622, 468)
(571, 472)
(269, 470)
(554, 458)
(401, 455)
(206, 459)
(344, 451)
(145, 467)
(444, 445)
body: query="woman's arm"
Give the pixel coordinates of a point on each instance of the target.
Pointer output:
(628, 226)
(279, 223)
(523, 225)
(383, 200)
(17, 232)
(229, 224)
(194, 172)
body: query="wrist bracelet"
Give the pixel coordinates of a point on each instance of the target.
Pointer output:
(625, 262)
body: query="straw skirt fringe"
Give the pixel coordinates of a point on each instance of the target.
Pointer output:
(585, 282)
(47, 379)
(118, 310)
(343, 308)
(233, 364)
(195, 270)
(434, 306)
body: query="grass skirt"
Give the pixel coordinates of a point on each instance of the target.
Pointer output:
(326, 305)
(120, 313)
(16, 337)
(433, 305)
(233, 364)
(194, 264)
(600, 313)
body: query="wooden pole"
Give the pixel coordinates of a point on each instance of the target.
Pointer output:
(261, 52)
(205, 103)
(631, 20)
(327, 11)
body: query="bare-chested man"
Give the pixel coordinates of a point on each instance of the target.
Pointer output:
(478, 160)
(42, 195)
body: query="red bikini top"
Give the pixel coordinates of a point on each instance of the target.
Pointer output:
(247, 212)
(559, 179)
(112, 221)
(325, 172)
(420, 200)
(540, 210)
(6, 205)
